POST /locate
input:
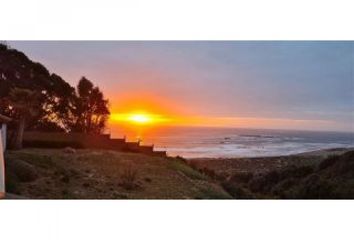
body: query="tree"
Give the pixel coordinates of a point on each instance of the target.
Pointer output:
(24, 103)
(61, 107)
(90, 108)
(56, 95)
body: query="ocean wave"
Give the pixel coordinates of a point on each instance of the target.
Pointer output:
(257, 136)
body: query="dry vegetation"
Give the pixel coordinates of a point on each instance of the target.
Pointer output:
(100, 174)
(326, 175)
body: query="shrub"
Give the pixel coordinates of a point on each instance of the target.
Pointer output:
(236, 191)
(24, 171)
(12, 183)
(187, 170)
(348, 163)
(65, 179)
(282, 188)
(316, 187)
(192, 165)
(147, 179)
(179, 158)
(211, 193)
(51, 144)
(264, 183)
(129, 178)
(296, 172)
(209, 172)
(329, 161)
(243, 177)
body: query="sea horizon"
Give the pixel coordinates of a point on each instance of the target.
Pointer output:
(231, 142)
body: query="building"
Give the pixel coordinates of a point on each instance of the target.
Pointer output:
(3, 121)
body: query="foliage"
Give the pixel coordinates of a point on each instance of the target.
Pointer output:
(333, 178)
(60, 107)
(24, 103)
(209, 192)
(187, 170)
(236, 191)
(129, 178)
(51, 144)
(18, 71)
(21, 170)
(90, 109)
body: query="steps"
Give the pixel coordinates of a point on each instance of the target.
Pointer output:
(86, 141)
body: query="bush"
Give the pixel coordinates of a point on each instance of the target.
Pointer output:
(243, 177)
(348, 163)
(24, 171)
(12, 183)
(264, 183)
(51, 144)
(316, 187)
(329, 161)
(129, 178)
(209, 172)
(211, 193)
(296, 172)
(282, 188)
(147, 179)
(236, 191)
(187, 170)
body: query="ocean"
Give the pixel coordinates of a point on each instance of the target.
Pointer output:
(192, 142)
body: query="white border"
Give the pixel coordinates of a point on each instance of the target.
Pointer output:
(291, 220)
(176, 20)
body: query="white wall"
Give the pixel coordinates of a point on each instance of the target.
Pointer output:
(2, 163)
(3, 133)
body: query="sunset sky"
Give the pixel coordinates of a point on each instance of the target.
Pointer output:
(286, 85)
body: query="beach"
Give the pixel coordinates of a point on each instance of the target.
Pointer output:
(262, 165)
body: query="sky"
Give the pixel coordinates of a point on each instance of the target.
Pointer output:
(257, 84)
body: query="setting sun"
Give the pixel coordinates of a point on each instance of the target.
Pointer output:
(138, 118)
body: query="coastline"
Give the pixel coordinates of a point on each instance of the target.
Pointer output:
(319, 153)
(261, 165)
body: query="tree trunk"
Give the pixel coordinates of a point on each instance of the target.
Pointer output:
(20, 131)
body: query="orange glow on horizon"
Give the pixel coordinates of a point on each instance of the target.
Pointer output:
(142, 110)
(137, 118)
(144, 118)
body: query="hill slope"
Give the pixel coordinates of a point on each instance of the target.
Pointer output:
(99, 174)
(293, 177)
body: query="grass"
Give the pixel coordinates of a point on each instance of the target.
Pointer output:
(129, 178)
(210, 193)
(101, 174)
(43, 161)
(187, 170)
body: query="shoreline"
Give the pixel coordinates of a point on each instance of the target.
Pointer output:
(321, 152)
(261, 165)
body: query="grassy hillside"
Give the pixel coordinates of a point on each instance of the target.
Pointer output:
(293, 177)
(99, 174)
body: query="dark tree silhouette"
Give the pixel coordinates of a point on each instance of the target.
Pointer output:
(90, 108)
(24, 103)
(18, 71)
(60, 107)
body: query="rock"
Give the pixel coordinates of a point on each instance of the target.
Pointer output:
(69, 150)
(24, 171)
